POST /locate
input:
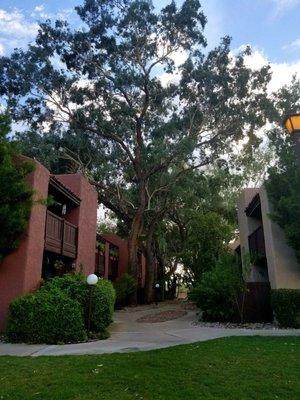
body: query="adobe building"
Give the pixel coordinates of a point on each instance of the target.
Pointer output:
(112, 259)
(275, 261)
(274, 264)
(60, 236)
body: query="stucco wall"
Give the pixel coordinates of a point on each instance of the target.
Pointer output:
(123, 251)
(21, 271)
(123, 256)
(85, 216)
(283, 268)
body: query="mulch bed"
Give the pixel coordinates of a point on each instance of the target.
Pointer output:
(162, 316)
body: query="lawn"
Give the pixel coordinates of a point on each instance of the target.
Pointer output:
(232, 368)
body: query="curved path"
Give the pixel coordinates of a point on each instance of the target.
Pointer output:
(129, 335)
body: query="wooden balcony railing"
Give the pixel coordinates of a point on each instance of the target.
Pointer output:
(60, 236)
(257, 244)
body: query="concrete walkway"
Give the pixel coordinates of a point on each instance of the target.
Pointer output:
(128, 335)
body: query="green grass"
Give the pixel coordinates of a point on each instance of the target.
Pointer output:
(232, 368)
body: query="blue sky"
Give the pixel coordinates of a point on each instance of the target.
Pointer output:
(270, 26)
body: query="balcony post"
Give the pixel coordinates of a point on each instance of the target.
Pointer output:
(62, 236)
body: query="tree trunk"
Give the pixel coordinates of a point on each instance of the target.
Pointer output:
(133, 240)
(133, 246)
(150, 270)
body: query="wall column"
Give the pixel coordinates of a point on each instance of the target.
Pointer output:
(106, 265)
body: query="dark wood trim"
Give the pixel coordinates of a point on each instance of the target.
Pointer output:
(253, 206)
(55, 183)
(256, 242)
(61, 237)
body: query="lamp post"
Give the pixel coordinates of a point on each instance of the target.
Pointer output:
(157, 287)
(91, 280)
(292, 125)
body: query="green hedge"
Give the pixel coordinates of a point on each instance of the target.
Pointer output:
(286, 307)
(46, 317)
(103, 298)
(73, 285)
(64, 302)
(103, 302)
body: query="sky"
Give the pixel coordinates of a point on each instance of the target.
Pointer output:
(271, 27)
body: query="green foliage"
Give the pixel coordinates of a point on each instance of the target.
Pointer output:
(103, 301)
(207, 236)
(125, 287)
(15, 194)
(283, 188)
(126, 129)
(46, 317)
(286, 307)
(73, 285)
(106, 227)
(58, 311)
(103, 297)
(217, 292)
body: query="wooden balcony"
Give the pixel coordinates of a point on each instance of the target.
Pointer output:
(60, 236)
(257, 244)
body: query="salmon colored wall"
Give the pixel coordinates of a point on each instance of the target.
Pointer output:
(123, 256)
(85, 216)
(123, 251)
(21, 271)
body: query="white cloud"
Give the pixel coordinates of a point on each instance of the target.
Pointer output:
(283, 5)
(179, 57)
(294, 45)
(282, 73)
(39, 8)
(14, 23)
(166, 79)
(15, 30)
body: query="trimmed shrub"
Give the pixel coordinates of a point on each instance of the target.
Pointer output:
(103, 298)
(73, 285)
(125, 287)
(46, 317)
(286, 307)
(103, 302)
(57, 312)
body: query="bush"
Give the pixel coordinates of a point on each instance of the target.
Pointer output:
(103, 298)
(125, 287)
(73, 285)
(217, 292)
(46, 317)
(286, 307)
(57, 312)
(103, 302)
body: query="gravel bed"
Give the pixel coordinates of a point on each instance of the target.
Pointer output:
(231, 325)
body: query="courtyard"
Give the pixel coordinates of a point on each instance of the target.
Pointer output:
(130, 332)
(149, 200)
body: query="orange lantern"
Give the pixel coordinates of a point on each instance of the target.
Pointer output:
(292, 123)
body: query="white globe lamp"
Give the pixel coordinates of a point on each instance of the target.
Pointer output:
(92, 279)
